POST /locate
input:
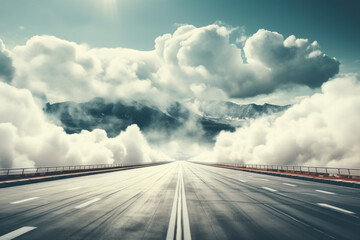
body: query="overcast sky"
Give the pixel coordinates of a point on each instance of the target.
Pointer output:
(136, 23)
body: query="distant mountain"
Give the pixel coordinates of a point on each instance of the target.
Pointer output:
(114, 117)
(230, 110)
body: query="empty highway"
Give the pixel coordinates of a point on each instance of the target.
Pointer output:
(179, 200)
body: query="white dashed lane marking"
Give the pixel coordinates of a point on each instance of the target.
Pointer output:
(269, 189)
(25, 200)
(321, 191)
(16, 233)
(288, 184)
(335, 208)
(74, 188)
(88, 203)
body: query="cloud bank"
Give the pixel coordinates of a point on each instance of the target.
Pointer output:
(27, 139)
(286, 62)
(192, 62)
(321, 130)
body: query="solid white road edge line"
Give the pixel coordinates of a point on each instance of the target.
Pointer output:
(324, 192)
(335, 208)
(264, 179)
(179, 212)
(16, 233)
(171, 228)
(25, 200)
(244, 181)
(269, 189)
(288, 184)
(179, 217)
(88, 203)
(186, 225)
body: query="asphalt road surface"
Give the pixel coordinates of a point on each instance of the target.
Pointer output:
(179, 200)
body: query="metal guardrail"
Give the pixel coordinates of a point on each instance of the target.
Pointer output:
(48, 170)
(318, 171)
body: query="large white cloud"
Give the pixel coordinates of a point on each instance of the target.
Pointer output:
(28, 139)
(321, 130)
(290, 61)
(204, 59)
(59, 70)
(190, 63)
(198, 62)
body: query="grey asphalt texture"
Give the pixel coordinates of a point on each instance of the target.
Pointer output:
(221, 203)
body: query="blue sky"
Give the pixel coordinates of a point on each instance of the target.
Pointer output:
(136, 23)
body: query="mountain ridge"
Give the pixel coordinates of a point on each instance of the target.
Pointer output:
(114, 117)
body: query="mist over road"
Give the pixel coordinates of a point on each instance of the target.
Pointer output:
(179, 200)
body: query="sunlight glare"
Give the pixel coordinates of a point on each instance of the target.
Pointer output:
(110, 8)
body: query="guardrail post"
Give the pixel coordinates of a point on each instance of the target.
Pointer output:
(8, 172)
(339, 171)
(23, 171)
